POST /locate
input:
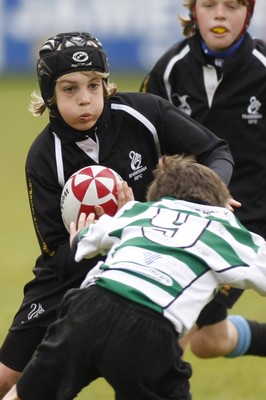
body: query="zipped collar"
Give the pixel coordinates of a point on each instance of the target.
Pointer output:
(230, 62)
(221, 54)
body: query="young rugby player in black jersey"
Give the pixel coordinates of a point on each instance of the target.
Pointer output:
(89, 124)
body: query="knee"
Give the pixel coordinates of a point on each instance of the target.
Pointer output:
(203, 345)
(213, 341)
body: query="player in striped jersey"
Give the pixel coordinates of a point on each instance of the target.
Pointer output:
(166, 258)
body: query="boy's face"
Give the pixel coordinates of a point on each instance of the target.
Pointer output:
(79, 99)
(220, 22)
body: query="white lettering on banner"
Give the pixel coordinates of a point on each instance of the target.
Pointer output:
(151, 23)
(125, 18)
(120, 17)
(146, 27)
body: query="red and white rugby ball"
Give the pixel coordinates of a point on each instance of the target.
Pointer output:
(86, 188)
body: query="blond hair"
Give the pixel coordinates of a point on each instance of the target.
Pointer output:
(183, 178)
(37, 105)
(188, 23)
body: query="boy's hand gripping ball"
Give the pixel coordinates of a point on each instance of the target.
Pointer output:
(86, 188)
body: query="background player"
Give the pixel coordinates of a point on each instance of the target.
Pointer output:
(217, 75)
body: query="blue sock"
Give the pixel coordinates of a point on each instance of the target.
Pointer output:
(244, 336)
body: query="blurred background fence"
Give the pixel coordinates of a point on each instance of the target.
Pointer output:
(134, 33)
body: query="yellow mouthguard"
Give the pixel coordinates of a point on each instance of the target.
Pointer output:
(219, 30)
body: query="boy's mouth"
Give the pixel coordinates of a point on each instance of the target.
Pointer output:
(219, 29)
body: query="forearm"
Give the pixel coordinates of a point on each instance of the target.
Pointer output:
(223, 168)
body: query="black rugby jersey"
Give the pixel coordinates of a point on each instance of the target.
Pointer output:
(229, 98)
(134, 130)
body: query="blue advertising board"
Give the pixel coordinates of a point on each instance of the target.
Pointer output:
(134, 33)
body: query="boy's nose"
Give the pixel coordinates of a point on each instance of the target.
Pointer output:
(84, 97)
(219, 11)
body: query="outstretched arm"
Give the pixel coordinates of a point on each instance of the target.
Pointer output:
(124, 195)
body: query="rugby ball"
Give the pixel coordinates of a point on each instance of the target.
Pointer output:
(86, 188)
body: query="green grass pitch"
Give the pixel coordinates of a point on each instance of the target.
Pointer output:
(217, 379)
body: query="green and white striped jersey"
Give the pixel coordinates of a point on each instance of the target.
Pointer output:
(172, 255)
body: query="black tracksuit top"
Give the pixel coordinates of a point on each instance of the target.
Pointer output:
(132, 133)
(231, 102)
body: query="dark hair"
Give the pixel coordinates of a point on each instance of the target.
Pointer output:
(183, 178)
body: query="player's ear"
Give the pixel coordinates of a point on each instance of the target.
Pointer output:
(192, 14)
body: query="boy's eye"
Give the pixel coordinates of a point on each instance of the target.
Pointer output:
(94, 86)
(207, 4)
(233, 5)
(230, 4)
(69, 89)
